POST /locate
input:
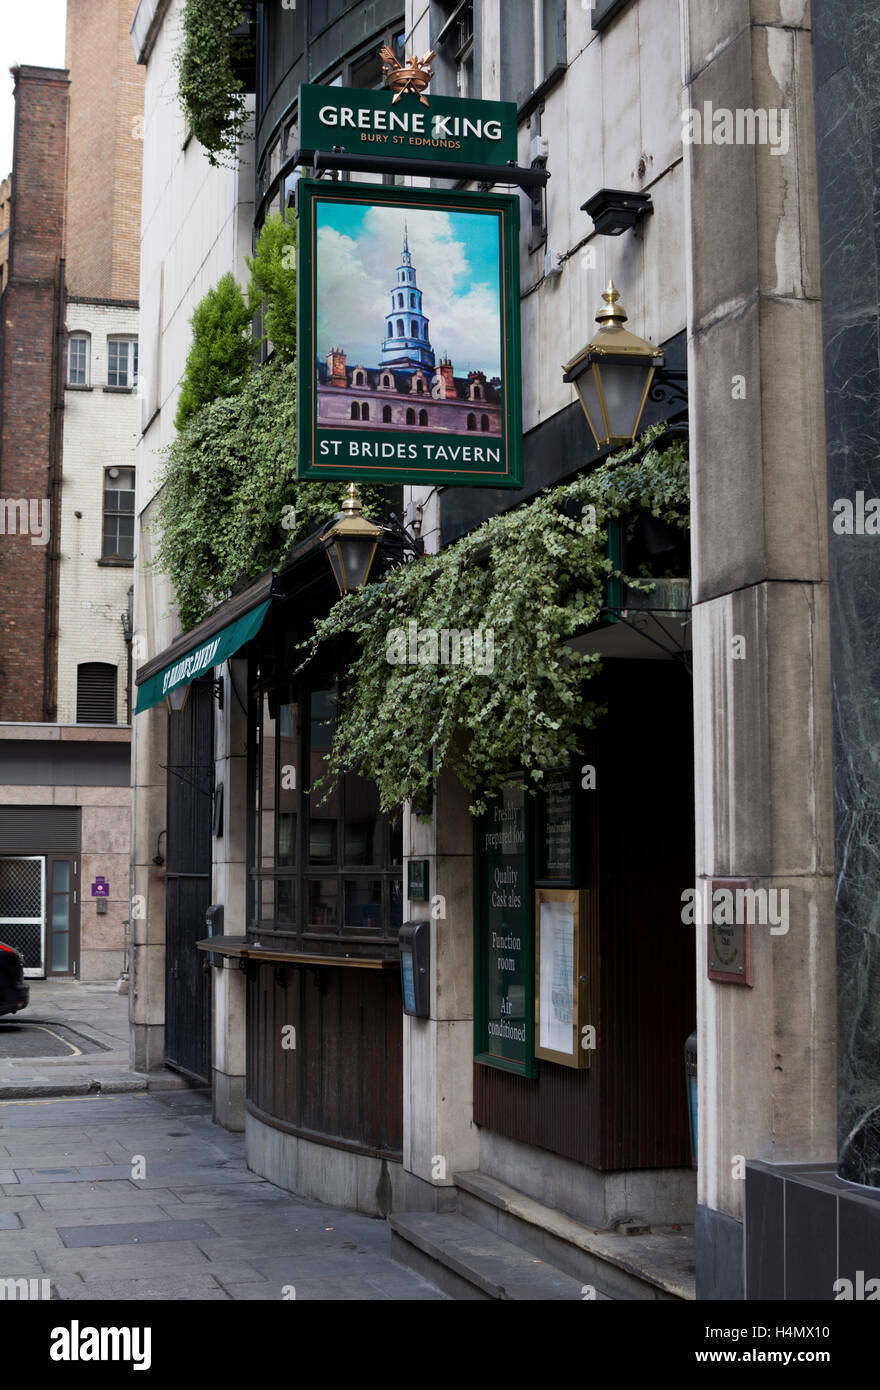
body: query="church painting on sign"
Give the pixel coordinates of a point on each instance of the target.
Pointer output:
(392, 284)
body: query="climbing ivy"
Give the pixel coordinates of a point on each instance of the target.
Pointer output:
(533, 577)
(211, 95)
(230, 505)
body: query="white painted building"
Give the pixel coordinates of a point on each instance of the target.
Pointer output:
(97, 508)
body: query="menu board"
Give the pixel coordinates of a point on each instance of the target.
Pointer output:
(504, 1014)
(555, 829)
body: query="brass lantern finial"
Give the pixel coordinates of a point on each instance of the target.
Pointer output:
(613, 311)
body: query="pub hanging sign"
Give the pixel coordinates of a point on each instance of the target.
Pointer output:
(408, 314)
(409, 335)
(407, 124)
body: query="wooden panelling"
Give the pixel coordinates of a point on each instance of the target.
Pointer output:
(343, 1083)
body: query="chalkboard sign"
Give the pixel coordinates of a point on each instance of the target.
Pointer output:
(556, 829)
(505, 1004)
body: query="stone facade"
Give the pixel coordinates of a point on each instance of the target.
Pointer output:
(73, 270)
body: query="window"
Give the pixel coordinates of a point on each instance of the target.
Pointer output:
(365, 411)
(78, 360)
(360, 379)
(525, 67)
(118, 514)
(387, 383)
(410, 417)
(326, 869)
(604, 11)
(423, 418)
(355, 411)
(122, 362)
(472, 422)
(400, 328)
(478, 394)
(420, 386)
(386, 415)
(484, 423)
(455, 46)
(96, 693)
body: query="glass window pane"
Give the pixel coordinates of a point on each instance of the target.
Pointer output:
(285, 908)
(396, 888)
(363, 904)
(363, 824)
(267, 900)
(60, 951)
(323, 902)
(288, 786)
(395, 847)
(267, 782)
(60, 912)
(322, 841)
(61, 876)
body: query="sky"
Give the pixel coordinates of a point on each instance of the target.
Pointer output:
(456, 260)
(31, 32)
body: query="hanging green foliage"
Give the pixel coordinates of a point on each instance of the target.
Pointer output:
(272, 289)
(211, 95)
(230, 505)
(521, 586)
(221, 353)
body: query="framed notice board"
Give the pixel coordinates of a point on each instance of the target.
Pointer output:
(555, 830)
(504, 971)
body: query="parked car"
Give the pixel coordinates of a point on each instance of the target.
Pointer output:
(14, 993)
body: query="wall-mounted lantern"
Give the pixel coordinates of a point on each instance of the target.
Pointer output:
(613, 375)
(351, 542)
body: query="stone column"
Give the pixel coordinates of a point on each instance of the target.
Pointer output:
(761, 632)
(439, 1136)
(229, 870)
(146, 1006)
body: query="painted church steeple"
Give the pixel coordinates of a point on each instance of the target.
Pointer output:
(407, 343)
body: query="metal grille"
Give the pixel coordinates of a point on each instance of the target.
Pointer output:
(95, 693)
(21, 889)
(27, 940)
(21, 908)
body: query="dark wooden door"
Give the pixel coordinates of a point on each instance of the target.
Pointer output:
(190, 781)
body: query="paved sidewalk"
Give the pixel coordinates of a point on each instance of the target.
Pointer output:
(84, 1029)
(194, 1223)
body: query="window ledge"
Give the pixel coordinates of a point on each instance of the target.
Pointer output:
(120, 390)
(117, 564)
(73, 386)
(538, 95)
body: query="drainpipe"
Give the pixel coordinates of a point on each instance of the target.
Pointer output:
(56, 441)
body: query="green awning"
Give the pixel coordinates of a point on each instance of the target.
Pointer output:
(194, 663)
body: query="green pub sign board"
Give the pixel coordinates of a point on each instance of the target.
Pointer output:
(363, 122)
(409, 335)
(504, 952)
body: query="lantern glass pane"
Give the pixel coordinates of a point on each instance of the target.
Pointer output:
(586, 388)
(357, 556)
(336, 565)
(624, 386)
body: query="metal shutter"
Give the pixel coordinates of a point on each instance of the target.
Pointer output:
(36, 829)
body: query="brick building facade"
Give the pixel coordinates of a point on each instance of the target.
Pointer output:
(68, 423)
